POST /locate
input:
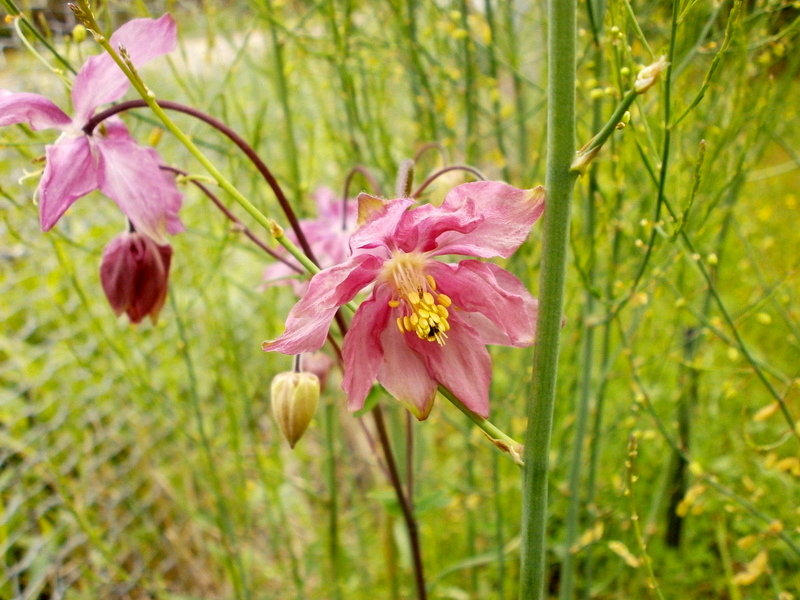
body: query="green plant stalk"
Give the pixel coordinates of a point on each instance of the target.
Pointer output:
(708, 478)
(333, 497)
(472, 527)
(596, 13)
(558, 184)
(631, 477)
(520, 108)
(493, 73)
(273, 505)
(499, 536)
(149, 97)
(339, 61)
(725, 559)
(283, 95)
(469, 86)
(567, 588)
(572, 525)
(225, 524)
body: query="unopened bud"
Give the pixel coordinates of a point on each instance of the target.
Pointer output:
(649, 75)
(134, 274)
(78, 33)
(294, 399)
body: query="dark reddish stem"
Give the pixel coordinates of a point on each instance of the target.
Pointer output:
(231, 135)
(239, 225)
(405, 504)
(434, 176)
(403, 498)
(431, 146)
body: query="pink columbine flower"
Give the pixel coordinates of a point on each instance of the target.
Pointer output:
(134, 273)
(109, 160)
(328, 235)
(426, 322)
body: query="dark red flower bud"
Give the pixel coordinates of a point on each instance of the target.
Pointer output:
(134, 275)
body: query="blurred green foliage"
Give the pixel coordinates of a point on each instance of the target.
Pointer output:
(142, 462)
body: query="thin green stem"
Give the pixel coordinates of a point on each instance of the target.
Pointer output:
(631, 478)
(581, 412)
(585, 155)
(470, 106)
(283, 96)
(559, 183)
(333, 497)
(499, 131)
(223, 512)
(499, 535)
(15, 12)
(499, 438)
(149, 97)
(57, 72)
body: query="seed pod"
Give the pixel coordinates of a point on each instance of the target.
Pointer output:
(294, 401)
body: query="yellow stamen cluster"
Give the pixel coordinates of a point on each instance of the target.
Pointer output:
(422, 309)
(428, 314)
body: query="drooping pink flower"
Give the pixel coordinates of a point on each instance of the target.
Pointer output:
(134, 273)
(109, 160)
(426, 322)
(328, 235)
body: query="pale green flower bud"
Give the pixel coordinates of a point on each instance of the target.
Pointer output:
(294, 399)
(78, 33)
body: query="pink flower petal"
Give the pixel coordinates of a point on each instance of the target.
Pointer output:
(308, 321)
(33, 109)
(404, 374)
(100, 80)
(362, 349)
(71, 171)
(462, 365)
(480, 289)
(507, 215)
(130, 175)
(379, 232)
(421, 227)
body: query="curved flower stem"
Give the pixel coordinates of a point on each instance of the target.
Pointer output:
(233, 218)
(431, 146)
(559, 183)
(56, 71)
(231, 135)
(497, 436)
(434, 176)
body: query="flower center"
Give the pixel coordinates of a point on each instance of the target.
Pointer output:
(422, 309)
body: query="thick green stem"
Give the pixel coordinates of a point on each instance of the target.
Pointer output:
(559, 183)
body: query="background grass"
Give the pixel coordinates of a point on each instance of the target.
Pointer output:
(142, 462)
